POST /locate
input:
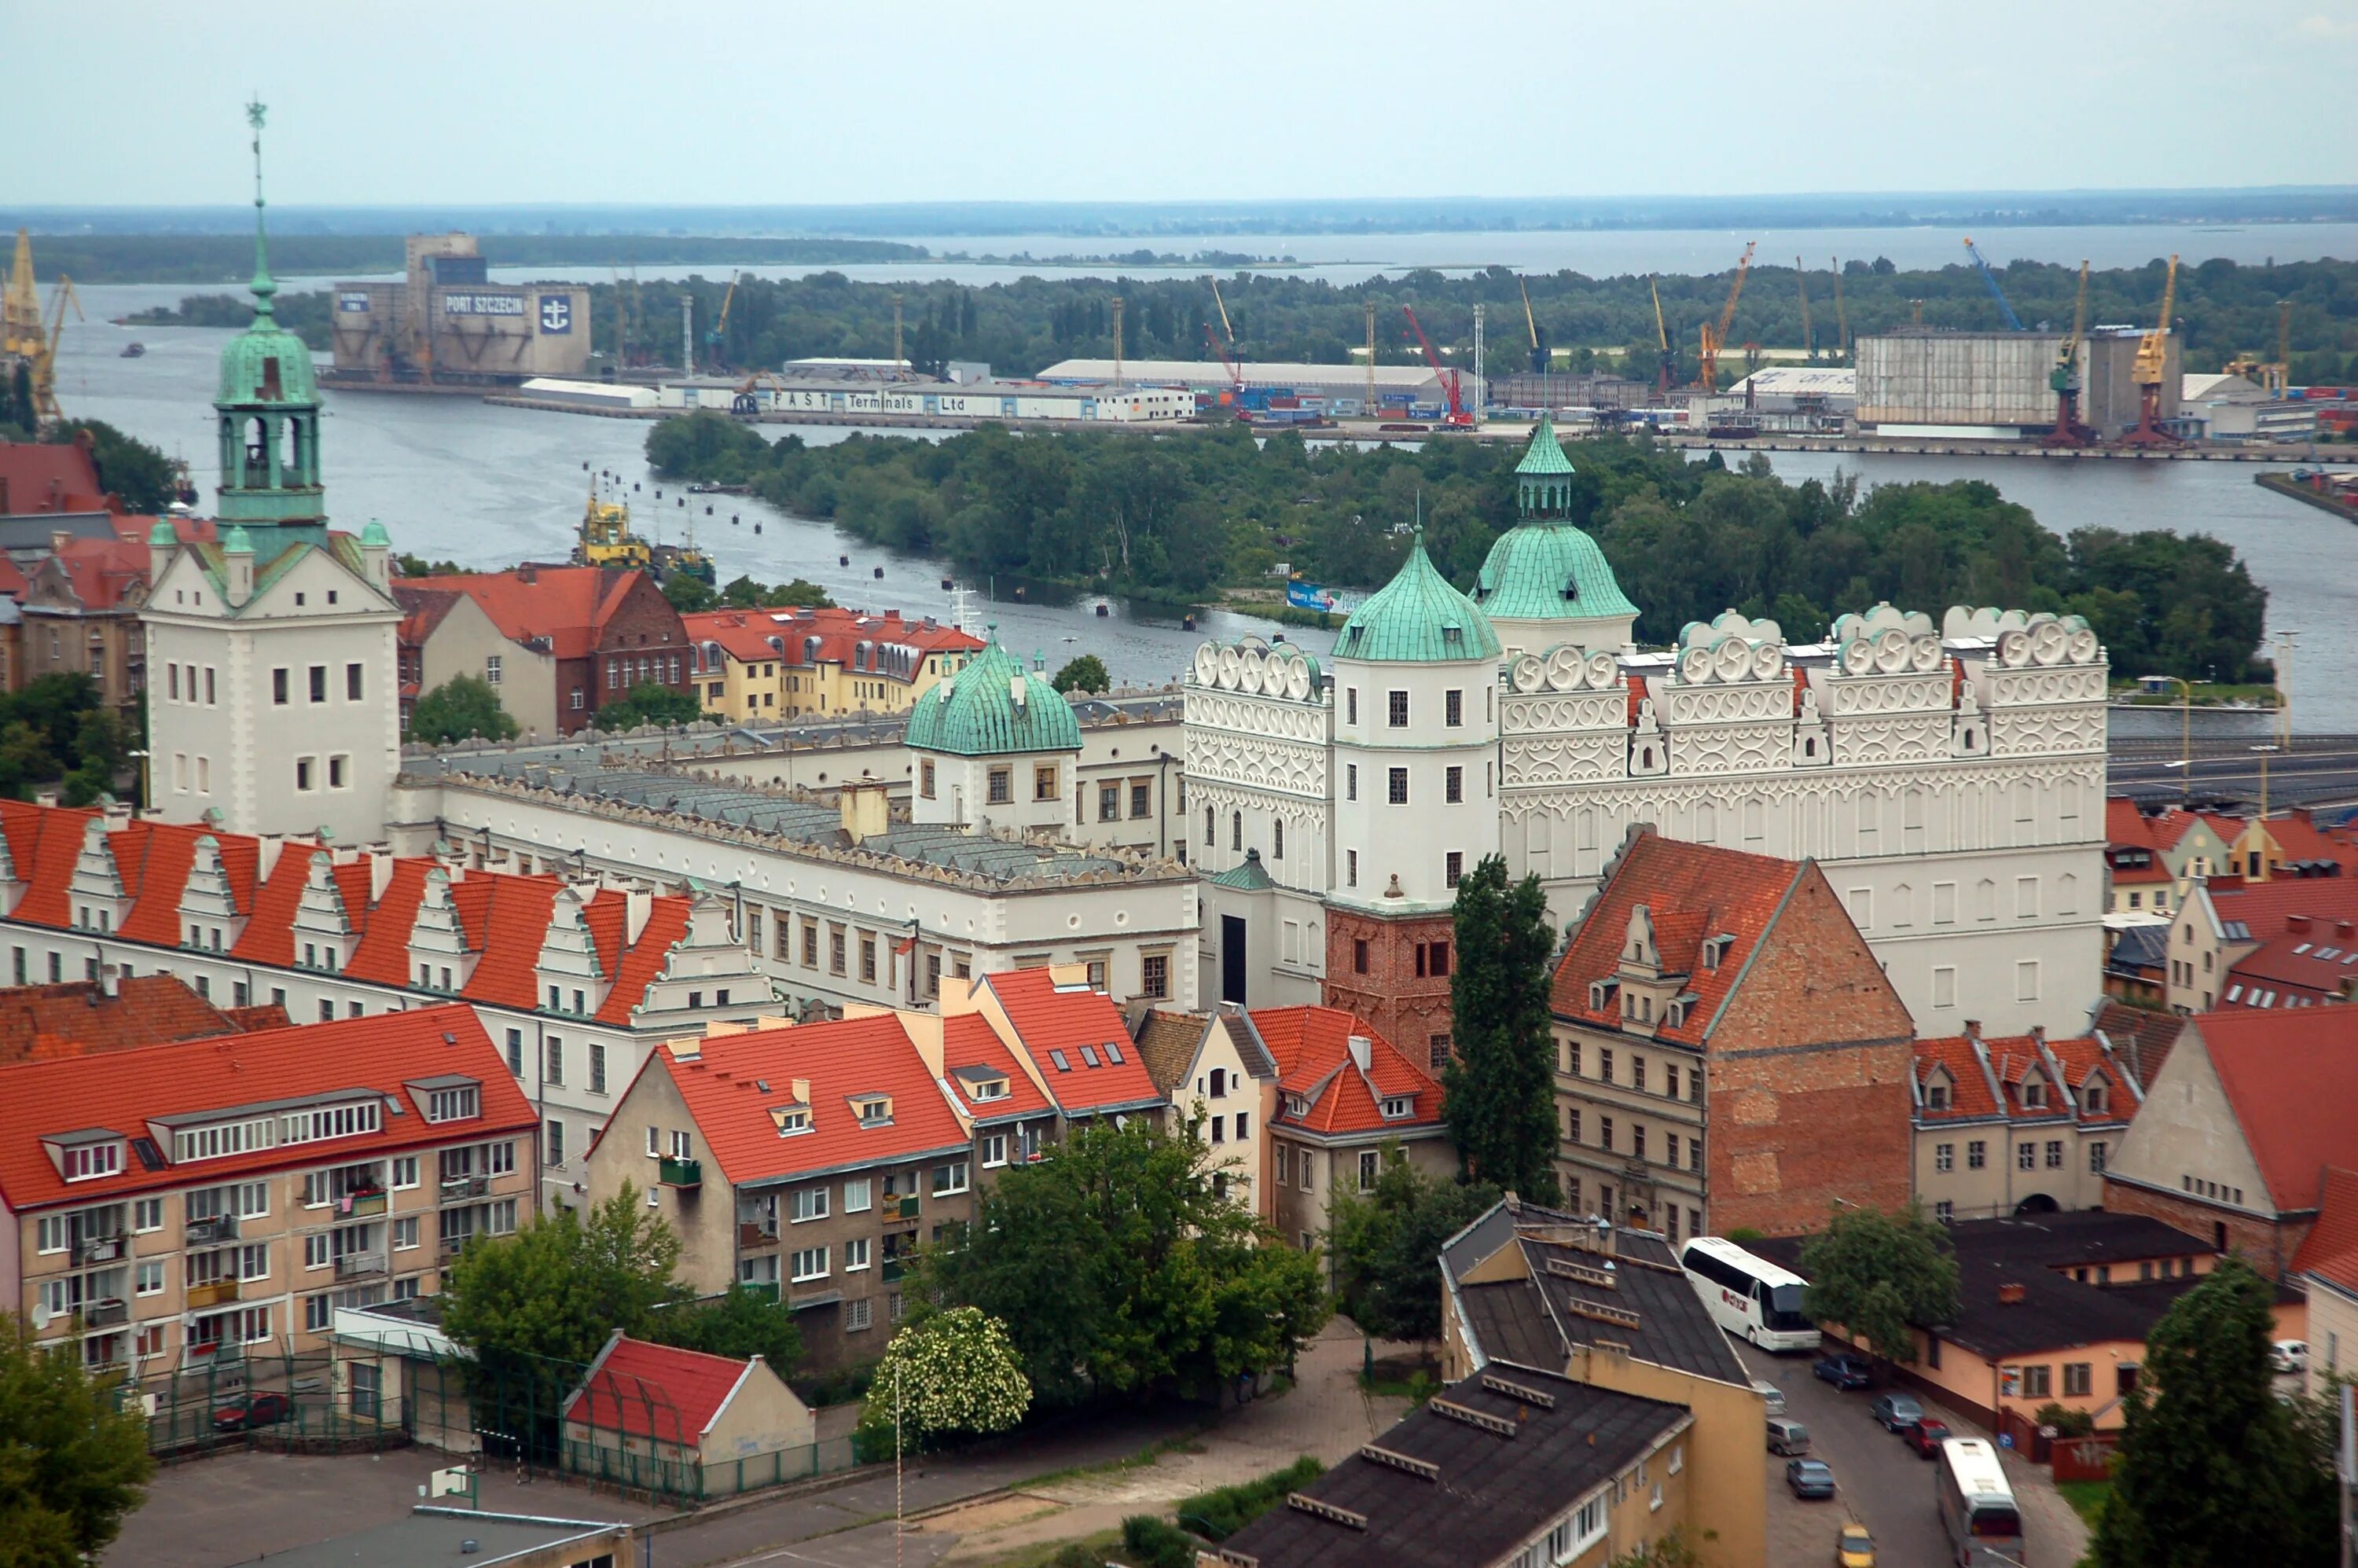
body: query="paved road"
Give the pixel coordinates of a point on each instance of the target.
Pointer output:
(1879, 1480)
(2319, 768)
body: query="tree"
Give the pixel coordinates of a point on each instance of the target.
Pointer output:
(73, 1453)
(1384, 1244)
(688, 593)
(955, 1370)
(462, 707)
(739, 1322)
(2213, 1468)
(1500, 1088)
(1122, 1266)
(138, 475)
(1875, 1273)
(1087, 672)
(648, 703)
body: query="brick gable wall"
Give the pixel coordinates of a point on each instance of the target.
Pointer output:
(643, 627)
(1405, 1007)
(1807, 1077)
(2267, 1245)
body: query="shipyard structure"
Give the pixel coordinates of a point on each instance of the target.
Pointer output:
(2000, 385)
(447, 324)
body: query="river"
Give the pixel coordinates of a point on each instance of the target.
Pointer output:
(458, 478)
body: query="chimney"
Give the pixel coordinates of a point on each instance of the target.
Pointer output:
(802, 1091)
(1972, 1029)
(2345, 928)
(867, 810)
(266, 855)
(161, 543)
(526, 575)
(1361, 1051)
(110, 979)
(2009, 1295)
(58, 540)
(379, 874)
(237, 562)
(638, 903)
(2038, 1032)
(2298, 923)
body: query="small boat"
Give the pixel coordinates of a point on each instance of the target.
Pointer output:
(843, 560)
(134, 351)
(880, 572)
(1104, 609)
(702, 488)
(947, 584)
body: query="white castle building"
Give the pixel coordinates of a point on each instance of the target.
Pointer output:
(1949, 780)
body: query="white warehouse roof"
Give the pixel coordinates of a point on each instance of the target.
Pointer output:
(1790, 381)
(1258, 373)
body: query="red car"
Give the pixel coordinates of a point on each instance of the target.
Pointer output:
(1927, 1435)
(263, 1410)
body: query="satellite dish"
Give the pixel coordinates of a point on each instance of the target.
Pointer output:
(1297, 677)
(1768, 658)
(1230, 663)
(1604, 670)
(1529, 673)
(1858, 657)
(1927, 655)
(2083, 647)
(1695, 667)
(1208, 663)
(1565, 671)
(2013, 648)
(1731, 658)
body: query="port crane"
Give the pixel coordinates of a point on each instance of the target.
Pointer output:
(2272, 376)
(1538, 344)
(1458, 417)
(27, 336)
(1842, 321)
(1714, 337)
(2065, 377)
(1809, 337)
(2152, 365)
(1668, 361)
(1989, 281)
(1236, 375)
(715, 339)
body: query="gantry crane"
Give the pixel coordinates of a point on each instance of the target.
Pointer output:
(715, 339)
(1459, 416)
(2152, 366)
(1538, 344)
(1809, 337)
(1989, 281)
(1842, 321)
(2065, 377)
(1667, 361)
(1714, 336)
(25, 335)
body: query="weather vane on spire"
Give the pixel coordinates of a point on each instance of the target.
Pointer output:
(262, 285)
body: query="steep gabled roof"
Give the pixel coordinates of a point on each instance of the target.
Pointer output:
(513, 912)
(269, 935)
(655, 1391)
(154, 858)
(1076, 1023)
(2127, 827)
(44, 842)
(972, 1049)
(1312, 1049)
(567, 605)
(79, 1017)
(2263, 910)
(50, 476)
(2289, 1079)
(2141, 1037)
(2330, 1249)
(382, 955)
(1970, 1095)
(666, 926)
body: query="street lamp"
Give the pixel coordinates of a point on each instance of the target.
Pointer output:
(2185, 732)
(2284, 686)
(2263, 822)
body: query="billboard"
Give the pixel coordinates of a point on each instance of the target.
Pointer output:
(483, 304)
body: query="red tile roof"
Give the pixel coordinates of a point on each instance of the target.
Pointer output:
(1969, 1089)
(655, 1391)
(1051, 1020)
(382, 954)
(567, 605)
(50, 476)
(79, 1018)
(969, 1041)
(2268, 909)
(666, 926)
(122, 1090)
(154, 859)
(100, 572)
(2299, 838)
(2330, 1251)
(747, 633)
(2292, 1082)
(1312, 1047)
(1690, 892)
(269, 933)
(509, 929)
(2141, 1038)
(2082, 1060)
(722, 1088)
(2314, 962)
(2127, 827)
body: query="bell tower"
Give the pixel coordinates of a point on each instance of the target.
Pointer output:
(268, 408)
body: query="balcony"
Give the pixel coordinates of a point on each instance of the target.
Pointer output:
(458, 1189)
(672, 1172)
(453, 1245)
(359, 1265)
(750, 1233)
(106, 1313)
(205, 1232)
(212, 1294)
(766, 1289)
(901, 1208)
(361, 1204)
(895, 1268)
(99, 1249)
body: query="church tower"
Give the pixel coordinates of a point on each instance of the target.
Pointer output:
(273, 685)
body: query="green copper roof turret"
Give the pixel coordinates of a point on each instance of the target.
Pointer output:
(1548, 571)
(163, 533)
(974, 712)
(1417, 618)
(1545, 454)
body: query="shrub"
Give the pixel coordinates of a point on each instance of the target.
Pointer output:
(2066, 1423)
(1223, 1510)
(1151, 1543)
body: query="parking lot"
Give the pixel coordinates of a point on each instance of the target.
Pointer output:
(1883, 1483)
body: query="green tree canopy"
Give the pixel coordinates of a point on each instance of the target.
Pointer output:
(688, 594)
(739, 1322)
(1875, 1273)
(744, 593)
(73, 1453)
(1087, 672)
(1499, 1087)
(1121, 1265)
(648, 703)
(1385, 1244)
(462, 707)
(139, 475)
(2213, 1468)
(947, 1371)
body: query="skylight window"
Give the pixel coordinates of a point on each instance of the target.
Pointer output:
(1089, 1056)
(1058, 1057)
(1113, 1052)
(2302, 948)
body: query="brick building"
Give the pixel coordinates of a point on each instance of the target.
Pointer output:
(1728, 1051)
(2239, 1127)
(609, 631)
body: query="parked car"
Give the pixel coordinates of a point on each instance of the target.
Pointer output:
(1854, 1548)
(1897, 1412)
(262, 1409)
(1810, 1478)
(1787, 1435)
(2289, 1356)
(1773, 1396)
(1843, 1371)
(1927, 1435)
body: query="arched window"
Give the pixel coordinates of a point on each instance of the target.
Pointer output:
(1219, 1082)
(1236, 831)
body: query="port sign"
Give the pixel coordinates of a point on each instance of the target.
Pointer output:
(556, 313)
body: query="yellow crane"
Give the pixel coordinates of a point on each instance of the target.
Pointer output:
(2152, 366)
(1228, 331)
(25, 335)
(1669, 360)
(1842, 321)
(1714, 338)
(716, 340)
(1538, 348)
(1809, 339)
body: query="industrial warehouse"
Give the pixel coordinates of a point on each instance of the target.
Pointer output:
(447, 324)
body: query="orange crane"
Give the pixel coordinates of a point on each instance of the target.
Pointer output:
(2152, 365)
(1670, 360)
(1459, 416)
(1236, 374)
(1714, 336)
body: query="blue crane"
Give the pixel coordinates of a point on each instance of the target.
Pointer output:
(1990, 278)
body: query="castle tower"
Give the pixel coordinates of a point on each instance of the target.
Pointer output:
(1545, 581)
(1416, 806)
(273, 686)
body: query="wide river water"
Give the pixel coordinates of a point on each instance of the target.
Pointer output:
(455, 478)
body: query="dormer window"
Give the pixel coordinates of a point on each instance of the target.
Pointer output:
(2034, 1094)
(1936, 1095)
(1296, 1107)
(88, 1156)
(990, 1088)
(453, 1101)
(791, 1118)
(1600, 995)
(1399, 1108)
(873, 1110)
(2093, 1096)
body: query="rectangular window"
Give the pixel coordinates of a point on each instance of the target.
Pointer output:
(303, 774)
(1397, 787)
(1944, 985)
(556, 1143)
(2037, 1382)
(1108, 803)
(1453, 786)
(1002, 785)
(1350, 705)
(1452, 708)
(596, 1068)
(553, 1068)
(809, 1204)
(279, 687)
(1350, 868)
(352, 684)
(1043, 781)
(2026, 980)
(405, 1235)
(949, 1180)
(319, 683)
(1977, 1154)
(2078, 1379)
(1944, 1156)
(2026, 1156)
(2096, 1158)
(1370, 1168)
(1141, 798)
(1453, 865)
(1396, 710)
(2054, 1154)
(1154, 975)
(855, 1195)
(1350, 781)
(336, 773)
(855, 1254)
(810, 1263)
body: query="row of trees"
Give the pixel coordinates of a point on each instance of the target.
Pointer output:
(1687, 539)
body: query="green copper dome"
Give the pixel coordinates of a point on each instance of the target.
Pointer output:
(974, 713)
(267, 366)
(1417, 618)
(1548, 571)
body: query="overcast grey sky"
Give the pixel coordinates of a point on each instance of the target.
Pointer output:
(782, 102)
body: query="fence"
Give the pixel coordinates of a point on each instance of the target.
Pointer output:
(682, 1476)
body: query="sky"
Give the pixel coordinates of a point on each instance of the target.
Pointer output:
(786, 101)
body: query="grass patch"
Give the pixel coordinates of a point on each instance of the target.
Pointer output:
(2086, 1498)
(1091, 1548)
(1223, 1510)
(2206, 694)
(1181, 1442)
